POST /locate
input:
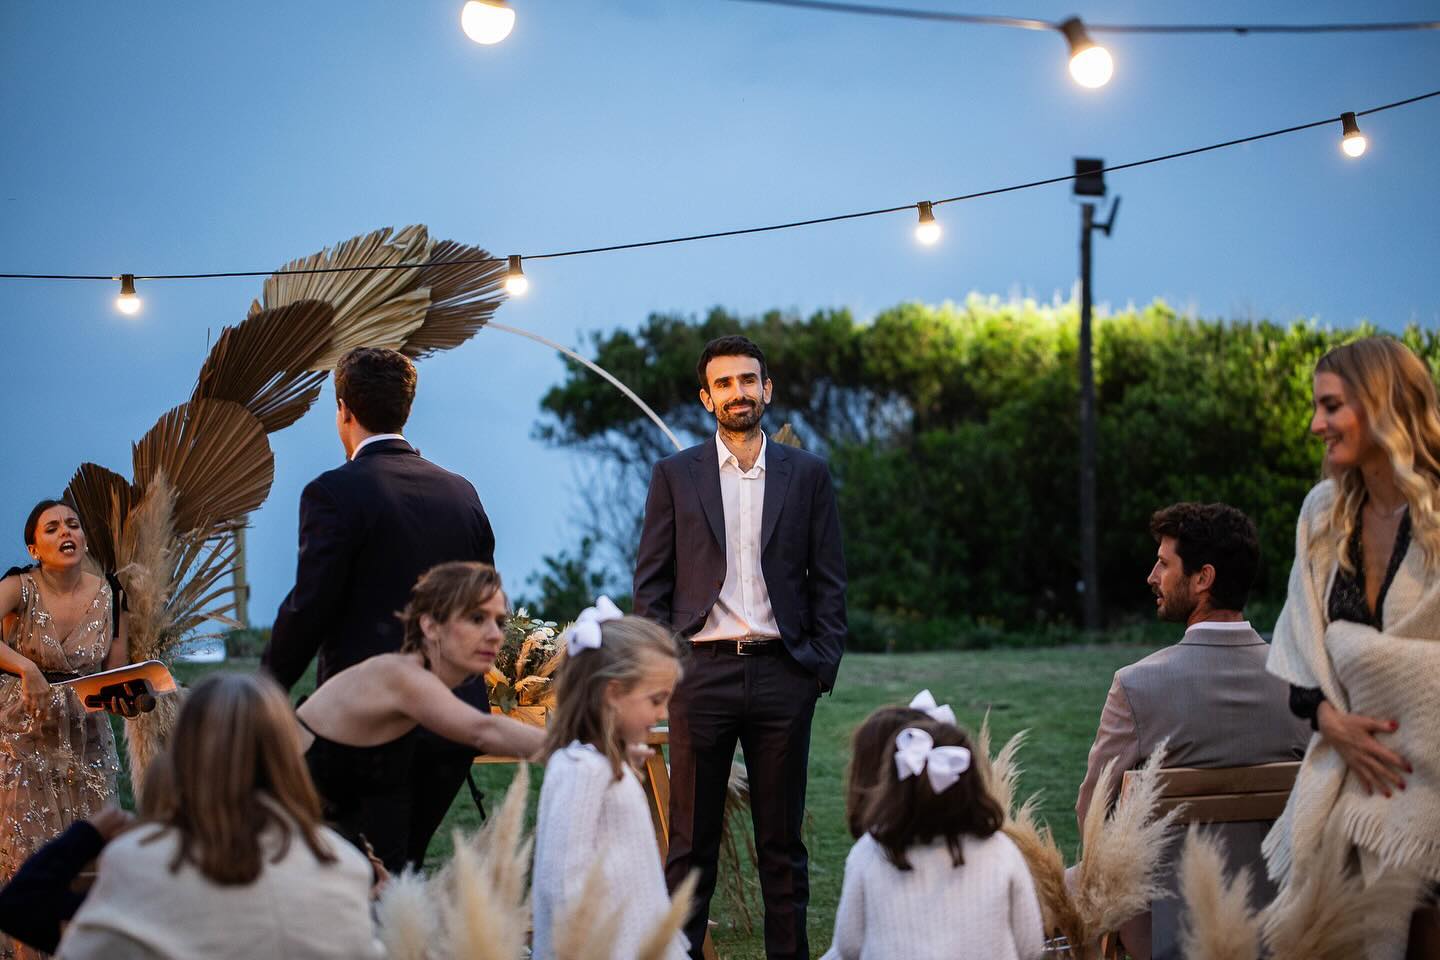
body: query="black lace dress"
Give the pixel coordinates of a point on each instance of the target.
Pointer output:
(1347, 601)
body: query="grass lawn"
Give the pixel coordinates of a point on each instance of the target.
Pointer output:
(1056, 693)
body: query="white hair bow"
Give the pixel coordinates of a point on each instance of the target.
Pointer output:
(925, 702)
(584, 633)
(916, 753)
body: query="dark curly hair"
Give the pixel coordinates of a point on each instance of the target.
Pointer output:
(1217, 534)
(731, 346)
(378, 386)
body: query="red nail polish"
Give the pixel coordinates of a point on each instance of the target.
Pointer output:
(1394, 724)
(1402, 784)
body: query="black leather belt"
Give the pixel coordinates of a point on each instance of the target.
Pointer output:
(739, 648)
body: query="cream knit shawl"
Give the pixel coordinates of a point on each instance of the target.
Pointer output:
(1389, 675)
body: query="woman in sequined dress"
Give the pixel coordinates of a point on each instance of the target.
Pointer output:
(57, 762)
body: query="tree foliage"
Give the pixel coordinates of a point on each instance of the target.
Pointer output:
(952, 434)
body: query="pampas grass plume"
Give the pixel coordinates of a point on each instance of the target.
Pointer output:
(586, 930)
(1219, 924)
(657, 944)
(408, 918)
(1047, 870)
(1118, 876)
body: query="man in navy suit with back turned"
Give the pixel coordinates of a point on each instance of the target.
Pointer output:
(368, 530)
(740, 554)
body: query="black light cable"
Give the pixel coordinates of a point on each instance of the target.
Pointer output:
(1347, 121)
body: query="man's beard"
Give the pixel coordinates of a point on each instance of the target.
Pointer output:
(740, 419)
(1176, 606)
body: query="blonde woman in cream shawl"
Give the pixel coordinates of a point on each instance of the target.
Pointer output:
(1359, 637)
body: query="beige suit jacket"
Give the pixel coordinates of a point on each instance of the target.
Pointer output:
(1210, 699)
(1209, 696)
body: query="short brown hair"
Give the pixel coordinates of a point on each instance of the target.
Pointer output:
(867, 757)
(1217, 534)
(731, 346)
(444, 592)
(580, 683)
(231, 771)
(905, 813)
(378, 386)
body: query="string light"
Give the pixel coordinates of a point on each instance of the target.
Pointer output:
(1353, 141)
(927, 231)
(1090, 63)
(516, 284)
(487, 21)
(127, 303)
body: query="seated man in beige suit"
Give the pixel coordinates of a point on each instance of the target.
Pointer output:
(1208, 696)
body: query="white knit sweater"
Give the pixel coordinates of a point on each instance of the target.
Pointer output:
(586, 813)
(985, 909)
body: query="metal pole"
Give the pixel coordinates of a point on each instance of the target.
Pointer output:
(1089, 553)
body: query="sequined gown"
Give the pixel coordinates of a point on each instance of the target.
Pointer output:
(62, 767)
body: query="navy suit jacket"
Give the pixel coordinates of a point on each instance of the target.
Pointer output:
(681, 563)
(368, 530)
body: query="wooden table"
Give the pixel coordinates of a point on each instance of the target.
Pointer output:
(655, 778)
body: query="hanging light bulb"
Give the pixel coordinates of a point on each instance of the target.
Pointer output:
(487, 21)
(1090, 63)
(127, 303)
(515, 282)
(1354, 142)
(927, 231)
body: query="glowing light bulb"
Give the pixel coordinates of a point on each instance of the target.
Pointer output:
(927, 231)
(487, 21)
(1353, 141)
(515, 281)
(1090, 63)
(127, 303)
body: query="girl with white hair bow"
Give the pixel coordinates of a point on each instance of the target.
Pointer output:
(935, 879)
(613, 686)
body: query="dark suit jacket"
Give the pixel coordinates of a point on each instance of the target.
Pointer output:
(368, 530)
(681, 564)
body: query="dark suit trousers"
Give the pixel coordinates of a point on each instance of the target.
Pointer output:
(439, 769)
(766, 704)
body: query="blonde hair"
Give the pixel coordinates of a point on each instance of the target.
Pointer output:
(444, 592)
(581, 712)
(232, 770)
(1395, 390)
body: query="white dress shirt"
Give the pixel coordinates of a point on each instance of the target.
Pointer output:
(743, 610)
(374, 438)
(1237, 625)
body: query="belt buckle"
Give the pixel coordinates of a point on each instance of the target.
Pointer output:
(743, 645)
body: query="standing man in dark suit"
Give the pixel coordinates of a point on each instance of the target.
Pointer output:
(740, 553)
(368, 530)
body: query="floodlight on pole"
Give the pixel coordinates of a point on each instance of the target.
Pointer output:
(1090, 63)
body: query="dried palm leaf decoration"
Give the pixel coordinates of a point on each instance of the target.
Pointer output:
(207, 464)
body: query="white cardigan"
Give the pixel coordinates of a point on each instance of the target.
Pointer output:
(985, 909)
(298, 909)
(585, 814)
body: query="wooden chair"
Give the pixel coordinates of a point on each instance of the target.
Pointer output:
(1223, 795)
